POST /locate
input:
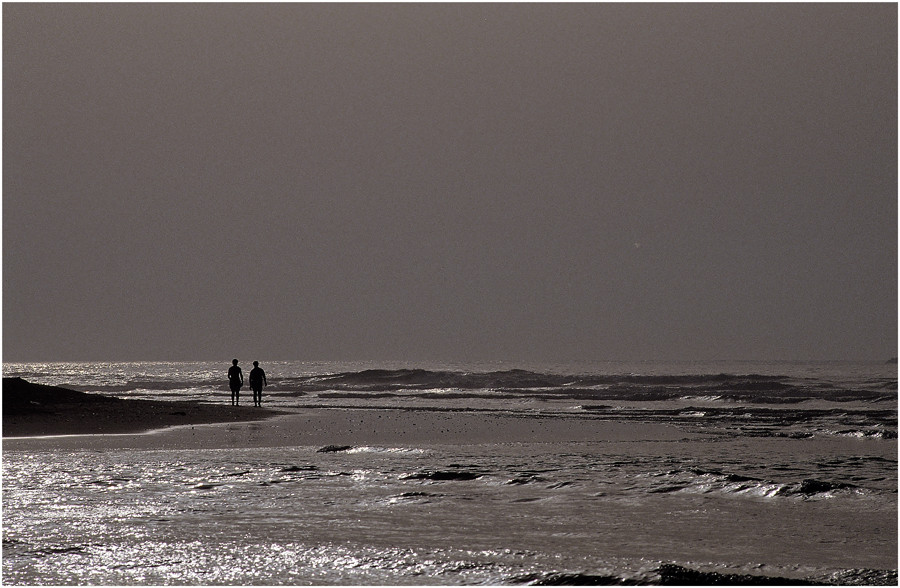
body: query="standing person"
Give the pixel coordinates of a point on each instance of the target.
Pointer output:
(235, 380)
(257, 381)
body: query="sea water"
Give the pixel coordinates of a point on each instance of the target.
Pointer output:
(785, 471)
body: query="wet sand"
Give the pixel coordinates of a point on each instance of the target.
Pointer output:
(66, 419)
(354, 427)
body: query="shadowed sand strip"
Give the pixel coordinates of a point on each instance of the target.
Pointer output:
(34, 410)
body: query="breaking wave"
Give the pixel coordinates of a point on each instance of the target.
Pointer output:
(752, 388)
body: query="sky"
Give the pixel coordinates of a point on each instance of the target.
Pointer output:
(449, 182)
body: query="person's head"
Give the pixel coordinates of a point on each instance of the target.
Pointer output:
(234, 362)
(255, 364)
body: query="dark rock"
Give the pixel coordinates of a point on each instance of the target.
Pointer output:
(334, 448)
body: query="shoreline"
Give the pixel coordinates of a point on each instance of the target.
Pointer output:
(35, 410)
(43, 417)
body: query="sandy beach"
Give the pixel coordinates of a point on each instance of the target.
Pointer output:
(36, 416)
(32, 410)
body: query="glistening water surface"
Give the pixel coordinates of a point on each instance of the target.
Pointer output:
(792, 477)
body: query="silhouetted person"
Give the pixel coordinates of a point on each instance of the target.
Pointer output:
(257, 381)
(235, 380)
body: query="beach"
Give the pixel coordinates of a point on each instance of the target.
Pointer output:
(452, 477)
(63, 418)
(31, 410)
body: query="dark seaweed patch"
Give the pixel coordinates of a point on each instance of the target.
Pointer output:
(563, 579)
(668, 488)
(294, 468)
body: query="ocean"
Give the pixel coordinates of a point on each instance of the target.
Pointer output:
(775, 472)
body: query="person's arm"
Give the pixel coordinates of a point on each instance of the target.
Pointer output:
(241, 374)
(265, 382)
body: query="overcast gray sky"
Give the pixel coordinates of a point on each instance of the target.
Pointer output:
(452, 182)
